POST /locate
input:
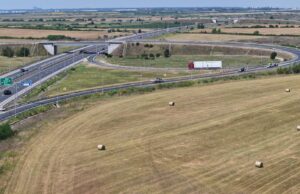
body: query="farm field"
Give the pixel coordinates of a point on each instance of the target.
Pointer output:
(264, 31)
(207, 37)
(207, 143)
(90, 76)
(229, 61)
(82, 35)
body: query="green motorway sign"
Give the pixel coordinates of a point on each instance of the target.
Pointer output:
(7, 81)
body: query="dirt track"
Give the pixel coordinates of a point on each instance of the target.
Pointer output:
(207, 143)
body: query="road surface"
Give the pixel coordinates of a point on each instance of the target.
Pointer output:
(40, 72)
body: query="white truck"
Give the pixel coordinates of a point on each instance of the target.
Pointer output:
(205, 65)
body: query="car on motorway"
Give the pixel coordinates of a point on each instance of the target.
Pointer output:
(272, 65)
(157, 80)
(23, 70)
(83, 52)
(243, 69)
(7, 92)
(2, 109)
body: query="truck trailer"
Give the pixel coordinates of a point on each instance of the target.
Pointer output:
(205, 65)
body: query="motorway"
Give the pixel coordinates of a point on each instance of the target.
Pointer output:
(44, 70)
(53, 100)
(40, 72)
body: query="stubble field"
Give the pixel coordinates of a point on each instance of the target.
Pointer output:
(207, 143)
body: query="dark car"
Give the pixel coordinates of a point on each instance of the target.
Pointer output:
(83, 52)
(243, 69)
(7, 92)
(157, 80)
(272, 65)
(24, 70)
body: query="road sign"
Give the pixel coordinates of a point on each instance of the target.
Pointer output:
(7, 81)
(27, 83)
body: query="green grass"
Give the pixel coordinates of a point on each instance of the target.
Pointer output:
(84, 77)
(8, 64)
(182, 60)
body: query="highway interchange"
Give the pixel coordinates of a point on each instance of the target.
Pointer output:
(44, 70)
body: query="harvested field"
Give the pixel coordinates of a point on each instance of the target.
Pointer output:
(82, 35)
(208, 37)
(207, 143)
(264, 31)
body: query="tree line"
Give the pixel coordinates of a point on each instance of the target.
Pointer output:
(21, 52)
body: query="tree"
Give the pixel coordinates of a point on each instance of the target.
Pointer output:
(151, 55)
(200, 26)
(157, 55)
(214, 30)
(273, 55)
(23, 52)
(8, 52)
(167, 53)
(256, 32)
(144, 55)
(140, 31)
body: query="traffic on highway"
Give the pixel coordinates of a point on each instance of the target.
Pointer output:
(29, 77)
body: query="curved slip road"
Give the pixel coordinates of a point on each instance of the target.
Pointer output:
(295, 54)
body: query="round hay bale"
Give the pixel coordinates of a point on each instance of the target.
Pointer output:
(171, 103)
(101, 147)
(287, 90)
(259, 164)
(298, 128)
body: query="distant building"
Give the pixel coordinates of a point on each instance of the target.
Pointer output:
(224, 21)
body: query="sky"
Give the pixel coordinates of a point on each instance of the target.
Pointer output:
(27, 4)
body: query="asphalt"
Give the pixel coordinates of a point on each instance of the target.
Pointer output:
(53, 100)
(36, 74)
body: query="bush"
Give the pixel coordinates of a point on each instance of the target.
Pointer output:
(144, 56)
(167, 53)
(200, 26)
(8, 52)
(157, 55)
(58, 37)
(295, 69)
(256, 32)
(5, 131)
(151, 55)
(23, 52)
